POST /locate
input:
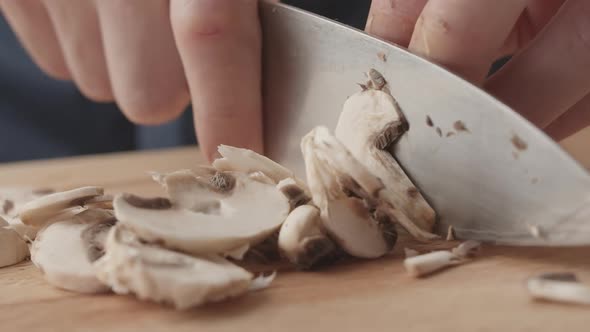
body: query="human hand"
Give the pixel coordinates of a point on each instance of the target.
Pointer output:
(153, 57)
(548, 78)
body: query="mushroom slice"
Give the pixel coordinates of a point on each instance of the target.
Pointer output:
(425, 264)
(369, 124)
(302, 240)
(211, 215)
(347, 195)
(248, 161)
(12, 198)
(65, 250)
(296, 194)
(559, 287)
(100, 202)
(160, 275)
(38, 211)
(13, 249)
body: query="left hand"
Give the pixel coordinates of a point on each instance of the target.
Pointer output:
(548, 78)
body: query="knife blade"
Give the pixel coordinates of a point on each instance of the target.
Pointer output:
(486, 171)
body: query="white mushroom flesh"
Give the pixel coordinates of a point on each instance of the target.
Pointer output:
(37, 212)
(369, 124)
(302, 240)
(248, 161)
(225, 212)
(65, 250)
(160, 275)
(347, 195)
(559, 287)
(426, 264)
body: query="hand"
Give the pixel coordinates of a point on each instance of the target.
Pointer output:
(548, 78)
(153, 57)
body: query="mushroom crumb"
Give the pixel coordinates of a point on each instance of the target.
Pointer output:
(426, 264)
(460, 126)
(439, 131)
(558, 287)
(382, 56)
(429, 122)
(518, 143)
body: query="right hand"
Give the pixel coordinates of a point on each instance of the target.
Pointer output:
(153, 57)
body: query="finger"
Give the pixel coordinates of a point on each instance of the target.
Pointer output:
(552, 73)
(394, 20)
(77, 29)
(572, 121)
(220, 46)
(534, 18)
(465, 35)
(143, 62)
(31, 23)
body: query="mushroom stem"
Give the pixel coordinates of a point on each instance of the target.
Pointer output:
(425, 264)
(302, 240)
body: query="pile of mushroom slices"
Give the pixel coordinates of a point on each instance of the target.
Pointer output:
(185, 249)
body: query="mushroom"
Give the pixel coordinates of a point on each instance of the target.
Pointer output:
(296, 194)
(12, 198)
(13, 249)
(37, 212)
(100, 202)
(369, 124)
(248, 161)
(153, 273)
(425, 264)
(559, 287)
(347, 195)
(65, 250)
(302, 240)
(214, 213)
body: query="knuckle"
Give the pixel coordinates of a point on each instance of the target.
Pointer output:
(192, 22)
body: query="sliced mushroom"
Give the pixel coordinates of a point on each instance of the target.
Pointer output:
(12, 198)
(559, 287)
(100, 202)
(296, 194)
(160, 275)
(37, 212)
(302, 240)
(212, 214)
(425, 264)
(13, 249)
(248, 161)
(369, 124)
(347, 195)
(65, 250)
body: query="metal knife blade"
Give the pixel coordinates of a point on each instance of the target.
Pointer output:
(495, 178)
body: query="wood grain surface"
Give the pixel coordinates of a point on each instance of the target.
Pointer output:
(487, 294)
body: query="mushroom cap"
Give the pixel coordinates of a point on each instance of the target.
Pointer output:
(157, 274)
(38, 211)
(215, 215)
(63, 254)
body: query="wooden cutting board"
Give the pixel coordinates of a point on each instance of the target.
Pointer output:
(487, 294)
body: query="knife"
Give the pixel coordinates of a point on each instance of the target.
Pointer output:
(496, 179)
